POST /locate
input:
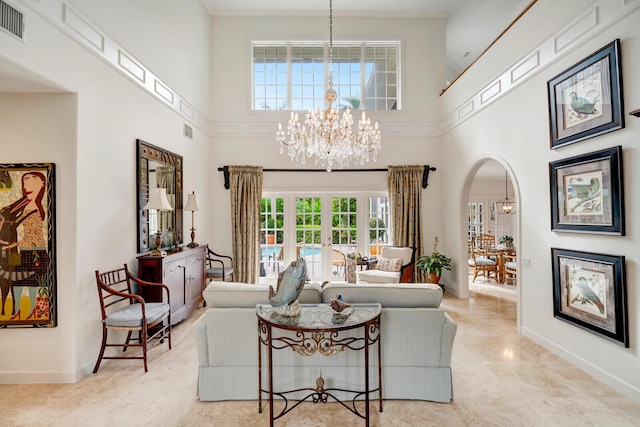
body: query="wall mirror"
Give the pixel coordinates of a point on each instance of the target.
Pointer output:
(158, 168)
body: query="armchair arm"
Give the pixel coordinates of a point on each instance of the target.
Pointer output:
(449, 329)
(150, 284)
(210, 260)
(202, 345)
(123, 295)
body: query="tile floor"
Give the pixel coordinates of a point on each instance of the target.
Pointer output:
(500, 379)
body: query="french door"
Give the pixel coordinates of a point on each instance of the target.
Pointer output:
(324, 228)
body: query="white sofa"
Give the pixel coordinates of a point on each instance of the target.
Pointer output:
(416, 336)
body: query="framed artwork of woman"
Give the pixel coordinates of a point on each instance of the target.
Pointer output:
(27, 245)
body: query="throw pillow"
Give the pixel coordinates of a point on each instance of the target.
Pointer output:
(389, 264)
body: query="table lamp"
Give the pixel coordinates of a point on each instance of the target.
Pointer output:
(158, 201)
(192, 205)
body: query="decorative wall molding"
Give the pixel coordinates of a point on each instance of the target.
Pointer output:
(593, 21)
(586, 26)
(78, 27)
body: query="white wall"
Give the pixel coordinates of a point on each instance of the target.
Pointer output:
(489, 191)
(515, 130)
(45, 134)
(90, 134)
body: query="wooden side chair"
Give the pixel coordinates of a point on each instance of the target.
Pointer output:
(486, 242)
(510, 267)
(219, 267)
(125, 310)
(481, 263)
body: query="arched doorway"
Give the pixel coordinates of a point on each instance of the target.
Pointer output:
(497, 178)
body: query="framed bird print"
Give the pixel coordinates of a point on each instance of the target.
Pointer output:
(589, 292)
(587, 194)
(586, 100)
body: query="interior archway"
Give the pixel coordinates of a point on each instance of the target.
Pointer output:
(463, 269)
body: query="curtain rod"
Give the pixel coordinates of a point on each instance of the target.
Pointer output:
(425, 173)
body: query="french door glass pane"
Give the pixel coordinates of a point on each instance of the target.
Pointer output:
(309, 234)
(344, 233)
(294, 225)
(272, 232)
(379, 224)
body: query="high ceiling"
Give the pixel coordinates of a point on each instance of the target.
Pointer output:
(471, 24)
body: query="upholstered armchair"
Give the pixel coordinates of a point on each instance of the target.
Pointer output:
(394, 265)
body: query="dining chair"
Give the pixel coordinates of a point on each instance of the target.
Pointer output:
(123, 309)
(486, 241)
(510, 267)
(481, 263)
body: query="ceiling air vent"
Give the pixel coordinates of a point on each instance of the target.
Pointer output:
(11, 20)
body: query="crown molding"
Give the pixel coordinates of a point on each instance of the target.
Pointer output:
(601, 16)
(81, 29)
(585, 27)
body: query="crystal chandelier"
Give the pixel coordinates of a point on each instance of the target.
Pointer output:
(326, 136)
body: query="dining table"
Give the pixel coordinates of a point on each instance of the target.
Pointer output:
(500, 252)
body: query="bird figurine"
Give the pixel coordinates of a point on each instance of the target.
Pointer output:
(338, 305)
(588, 296)
(582, 106)
(290, 284)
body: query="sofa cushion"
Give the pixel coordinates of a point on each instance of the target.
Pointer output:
(378, 276)
(389, 264)
(411, 295)
(243, 295)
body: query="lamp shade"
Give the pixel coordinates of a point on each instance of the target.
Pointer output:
(192, 203)
(158, 200)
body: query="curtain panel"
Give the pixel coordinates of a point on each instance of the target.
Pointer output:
(405, 195)
(245, 185)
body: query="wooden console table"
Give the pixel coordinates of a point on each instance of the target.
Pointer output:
(183, 272)
(317, 329)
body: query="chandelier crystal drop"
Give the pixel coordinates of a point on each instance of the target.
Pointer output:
(327, 137)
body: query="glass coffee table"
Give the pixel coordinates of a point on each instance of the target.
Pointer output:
(318, 330)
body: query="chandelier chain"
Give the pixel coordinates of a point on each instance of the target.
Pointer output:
(330, 42)
(326, 136)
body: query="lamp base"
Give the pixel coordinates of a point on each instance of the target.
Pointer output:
(193, 244)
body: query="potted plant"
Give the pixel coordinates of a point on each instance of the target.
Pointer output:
(507, 241)
(434, 263)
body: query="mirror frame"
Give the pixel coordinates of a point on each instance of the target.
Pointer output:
(145, 153)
